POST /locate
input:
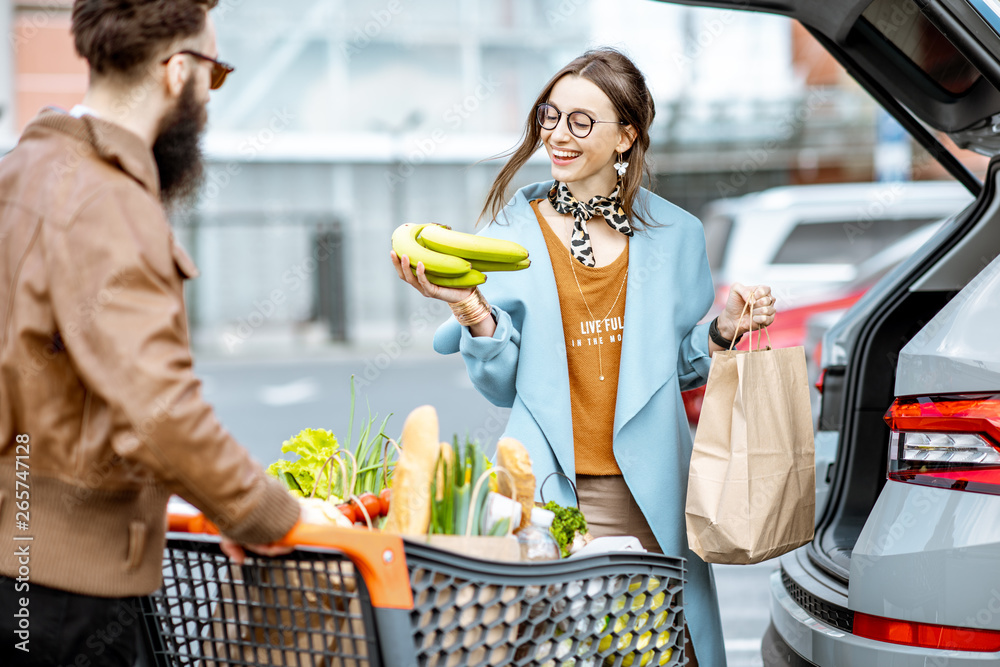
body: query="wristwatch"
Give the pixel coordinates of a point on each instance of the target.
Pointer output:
(717, 337)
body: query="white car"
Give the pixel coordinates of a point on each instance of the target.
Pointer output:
(809, 241)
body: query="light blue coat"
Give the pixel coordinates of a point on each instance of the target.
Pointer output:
(664, 351)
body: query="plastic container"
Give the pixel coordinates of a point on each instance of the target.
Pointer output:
(535, 539)
(498, 508)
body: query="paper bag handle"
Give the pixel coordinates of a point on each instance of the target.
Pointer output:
(330, 462)
(750, 304)
(475, 496)
(385, 457)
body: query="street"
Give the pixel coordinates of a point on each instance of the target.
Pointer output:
(265, 401)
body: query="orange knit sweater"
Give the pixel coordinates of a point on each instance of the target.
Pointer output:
(592, 326)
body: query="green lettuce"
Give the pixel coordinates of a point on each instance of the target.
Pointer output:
(568, 522)
(314, 447)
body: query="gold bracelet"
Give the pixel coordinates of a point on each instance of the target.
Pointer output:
(471, 310)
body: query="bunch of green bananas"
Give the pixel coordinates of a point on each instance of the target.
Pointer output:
(456, 259)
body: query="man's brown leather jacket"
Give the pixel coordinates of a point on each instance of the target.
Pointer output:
(101, 416)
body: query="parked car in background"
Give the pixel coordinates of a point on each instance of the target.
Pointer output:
(903, 569)
(819, 247)
(809, 241)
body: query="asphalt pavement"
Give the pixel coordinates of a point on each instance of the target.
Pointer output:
(264, 400)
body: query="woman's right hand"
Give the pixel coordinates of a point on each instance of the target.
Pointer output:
(424, 286)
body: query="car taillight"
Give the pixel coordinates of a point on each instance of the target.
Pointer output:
(925, 635)
(946, 441)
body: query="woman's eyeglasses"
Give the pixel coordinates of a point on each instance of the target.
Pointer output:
(220, 70)
(580, 124)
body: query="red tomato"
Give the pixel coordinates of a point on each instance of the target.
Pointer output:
(384, 499)
(371, 505)
(347, 509)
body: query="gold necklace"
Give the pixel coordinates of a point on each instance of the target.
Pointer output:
(569, 256)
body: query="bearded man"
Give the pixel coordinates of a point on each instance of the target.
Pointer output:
(101, 416)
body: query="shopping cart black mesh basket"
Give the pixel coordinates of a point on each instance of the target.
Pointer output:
(612, 610)
(308, 609)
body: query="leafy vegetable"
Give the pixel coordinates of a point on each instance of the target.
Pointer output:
(568, 522)
(451, 489)
(500, 528)
(314, 447)
(369, 453)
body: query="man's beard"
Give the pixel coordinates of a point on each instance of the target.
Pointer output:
(177, 149)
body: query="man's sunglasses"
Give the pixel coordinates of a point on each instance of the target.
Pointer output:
(220, 70)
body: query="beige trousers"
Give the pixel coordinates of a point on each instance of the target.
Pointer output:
(610, 509)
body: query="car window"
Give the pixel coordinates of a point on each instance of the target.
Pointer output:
(902, 24)
(843, 242)
(717, 230)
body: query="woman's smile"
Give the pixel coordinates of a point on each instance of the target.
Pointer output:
(564, 157)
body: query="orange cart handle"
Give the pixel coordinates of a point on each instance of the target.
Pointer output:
(378, 556)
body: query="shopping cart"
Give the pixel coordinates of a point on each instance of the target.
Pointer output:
(353, 598)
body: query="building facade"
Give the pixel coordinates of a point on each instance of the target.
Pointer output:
(346, 119)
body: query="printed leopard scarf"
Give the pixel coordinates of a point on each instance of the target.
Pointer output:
(610, 207)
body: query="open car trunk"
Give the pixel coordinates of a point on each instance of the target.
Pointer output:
(933, 65)
(871, 336)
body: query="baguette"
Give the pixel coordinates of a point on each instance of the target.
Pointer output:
(512, 456)
(410, 510)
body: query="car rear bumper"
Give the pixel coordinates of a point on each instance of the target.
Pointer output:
(775, 651)
(797, 639)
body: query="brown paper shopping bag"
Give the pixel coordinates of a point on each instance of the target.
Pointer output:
(751, 487)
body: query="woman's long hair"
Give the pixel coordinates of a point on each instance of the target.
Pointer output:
(625, 86)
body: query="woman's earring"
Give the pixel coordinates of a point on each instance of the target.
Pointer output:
(621, 166)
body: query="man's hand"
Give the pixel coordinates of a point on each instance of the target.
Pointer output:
(313, 511)
(236, 553)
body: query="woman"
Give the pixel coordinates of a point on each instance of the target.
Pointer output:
(592, 345)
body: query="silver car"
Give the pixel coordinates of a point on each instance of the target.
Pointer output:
(905, 566)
